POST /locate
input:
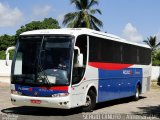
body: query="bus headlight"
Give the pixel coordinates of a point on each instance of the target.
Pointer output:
(60, 95)
(15, 92)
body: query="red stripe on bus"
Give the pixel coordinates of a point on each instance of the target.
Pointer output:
(63, 88)
(109, 66)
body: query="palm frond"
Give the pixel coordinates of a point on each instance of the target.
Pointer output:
(94, 26)
(96, 21)
(93, 2)
(69, 17)
(157, 45)
(151, 41)
(84, 16)
(147, 42)
(94, 11)
(77, 3)
(72, 24)
(77, 21)
(84, 3)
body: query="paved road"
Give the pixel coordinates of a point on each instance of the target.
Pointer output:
(147, 107)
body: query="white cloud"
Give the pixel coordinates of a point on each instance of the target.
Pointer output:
(9, 16)
(130, 33)
(41, 10)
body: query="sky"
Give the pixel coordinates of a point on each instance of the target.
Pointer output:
(134, 20)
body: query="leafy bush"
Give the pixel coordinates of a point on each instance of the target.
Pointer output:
(6, 41)
(156, 62)
(2, 55)
(11, 54)
(156, 58)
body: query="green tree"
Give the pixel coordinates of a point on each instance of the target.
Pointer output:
(84, 16)
(152, 42)
(7, 41)
(2, 55)
(47, 23)
(156, 58)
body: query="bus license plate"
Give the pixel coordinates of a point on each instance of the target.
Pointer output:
(36, 101)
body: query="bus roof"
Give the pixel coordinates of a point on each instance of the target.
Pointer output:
(80, 31)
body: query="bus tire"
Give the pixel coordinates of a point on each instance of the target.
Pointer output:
(136, 96)
(90, 102)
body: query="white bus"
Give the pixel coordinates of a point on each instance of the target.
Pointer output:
(68, 68)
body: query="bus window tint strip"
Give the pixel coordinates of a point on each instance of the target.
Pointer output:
(103, 50)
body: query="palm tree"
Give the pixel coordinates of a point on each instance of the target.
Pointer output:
(84, 16)
(151, 41)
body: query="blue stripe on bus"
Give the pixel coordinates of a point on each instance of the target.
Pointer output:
(114, 84)
(37, 91)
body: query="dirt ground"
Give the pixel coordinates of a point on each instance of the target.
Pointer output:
(148, 107)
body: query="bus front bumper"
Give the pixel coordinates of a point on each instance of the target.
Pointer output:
(55, 102)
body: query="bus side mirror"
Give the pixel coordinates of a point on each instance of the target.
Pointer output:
(7, 54)
(79, 59)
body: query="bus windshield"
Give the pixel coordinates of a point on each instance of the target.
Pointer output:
(43, 60)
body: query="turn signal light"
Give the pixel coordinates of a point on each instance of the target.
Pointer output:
(15, 92)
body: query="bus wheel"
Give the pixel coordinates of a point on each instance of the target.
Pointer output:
(90, 102)
(136, 96)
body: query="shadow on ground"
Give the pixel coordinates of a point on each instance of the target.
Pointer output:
(151, 111)
(116, 102)
(38, 111)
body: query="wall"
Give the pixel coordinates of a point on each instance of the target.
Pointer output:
(5, 70)
(155, 72)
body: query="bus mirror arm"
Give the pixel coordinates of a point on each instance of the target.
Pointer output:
(7, 54)
(79, 62)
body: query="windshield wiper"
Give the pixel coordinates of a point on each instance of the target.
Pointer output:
(40, 65)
